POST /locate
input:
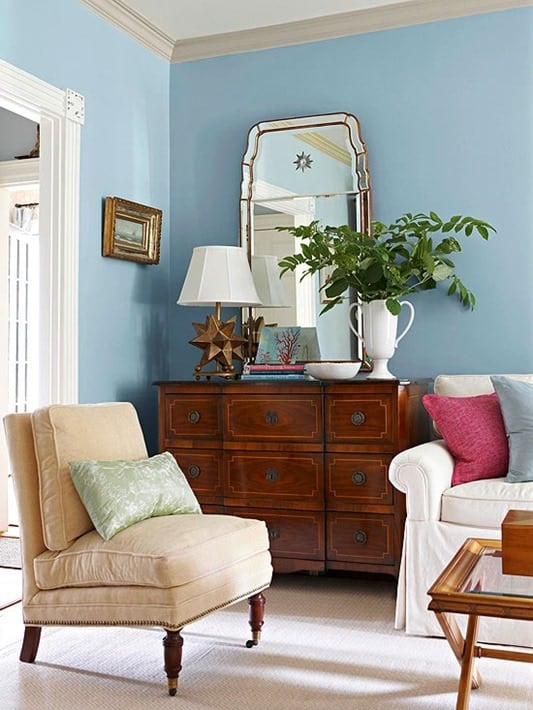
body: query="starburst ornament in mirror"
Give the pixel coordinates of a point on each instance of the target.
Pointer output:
(303, 161)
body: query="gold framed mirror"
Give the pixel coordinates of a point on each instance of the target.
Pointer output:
(294, 171)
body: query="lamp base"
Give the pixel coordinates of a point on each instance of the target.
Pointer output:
(221, 345)
(217, 372)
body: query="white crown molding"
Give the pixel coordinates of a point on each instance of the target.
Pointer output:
(397, 14)
(411, 12)
(134, 24)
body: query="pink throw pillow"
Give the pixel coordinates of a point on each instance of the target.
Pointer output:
(474, 432)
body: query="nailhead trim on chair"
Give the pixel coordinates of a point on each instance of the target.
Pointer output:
(165, 625)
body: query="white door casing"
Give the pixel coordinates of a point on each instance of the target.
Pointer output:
(60, 113)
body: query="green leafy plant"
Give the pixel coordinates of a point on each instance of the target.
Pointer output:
(391, 262)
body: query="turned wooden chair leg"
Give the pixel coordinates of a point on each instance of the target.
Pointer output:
(173, 643)
(257, 614)
(30, 643)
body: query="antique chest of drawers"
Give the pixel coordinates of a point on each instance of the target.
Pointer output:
(309, 458)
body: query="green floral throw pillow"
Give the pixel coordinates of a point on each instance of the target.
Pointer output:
(118, 494)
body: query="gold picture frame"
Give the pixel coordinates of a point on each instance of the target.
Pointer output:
(131, 231)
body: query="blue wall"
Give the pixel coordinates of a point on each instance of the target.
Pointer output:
(446, 111)
(124, 152)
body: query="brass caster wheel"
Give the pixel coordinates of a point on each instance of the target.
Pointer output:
(251, 643)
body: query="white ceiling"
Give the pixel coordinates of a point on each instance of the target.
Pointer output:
(184, 19)
(185, 30)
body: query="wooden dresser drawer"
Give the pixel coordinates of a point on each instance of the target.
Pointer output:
(203, 469)
(357, 479)
(360, 538)
(295, 534)
(361, 419)
(276, 419)
(272, 479)
(191, 418)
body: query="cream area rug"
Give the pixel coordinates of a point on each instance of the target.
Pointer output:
(328, 644)
(10, 587)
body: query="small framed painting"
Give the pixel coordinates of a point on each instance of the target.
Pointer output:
(131, 231)
(287, 344)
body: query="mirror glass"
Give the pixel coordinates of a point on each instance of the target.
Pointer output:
(295, 171)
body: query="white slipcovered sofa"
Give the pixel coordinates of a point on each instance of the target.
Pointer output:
(441, 516)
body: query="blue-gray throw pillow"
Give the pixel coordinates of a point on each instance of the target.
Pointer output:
(516, 402)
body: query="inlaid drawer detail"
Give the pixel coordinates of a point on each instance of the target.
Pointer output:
(361, 479)
(274, 418)
(360, 538)
(295, 534)
(274, 479)
(362, 419)
(196, 417)
(203, 470)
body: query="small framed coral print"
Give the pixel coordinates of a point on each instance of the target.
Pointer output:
(131, 231)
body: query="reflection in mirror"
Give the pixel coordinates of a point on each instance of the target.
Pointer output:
(295, 171)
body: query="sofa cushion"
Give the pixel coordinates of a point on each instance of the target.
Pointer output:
(484, 503)
(64, 433)
(474, 432)
(469, 385)
(166, 551)
(118, 494)
(516, 402)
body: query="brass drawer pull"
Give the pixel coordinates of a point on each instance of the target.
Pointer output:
(193, 417)
(360, 537)
(271, 418)
(358, 418)
(193, 471)
(273, 532)
(271, 474)
(358, 477)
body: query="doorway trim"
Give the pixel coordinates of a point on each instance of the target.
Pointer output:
(60, 113)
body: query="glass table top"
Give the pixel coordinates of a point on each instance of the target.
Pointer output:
(487, 577)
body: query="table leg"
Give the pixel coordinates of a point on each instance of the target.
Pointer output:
(457, 642)
(467, 665)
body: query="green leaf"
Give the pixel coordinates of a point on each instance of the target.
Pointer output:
(394, 306)
(336, 288)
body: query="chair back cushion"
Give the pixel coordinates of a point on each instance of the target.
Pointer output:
(64, 433)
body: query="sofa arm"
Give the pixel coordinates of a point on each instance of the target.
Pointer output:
(423, 473)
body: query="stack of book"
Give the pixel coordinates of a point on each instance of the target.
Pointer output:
(274, 371)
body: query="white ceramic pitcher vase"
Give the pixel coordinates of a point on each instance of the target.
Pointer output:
(380, 340)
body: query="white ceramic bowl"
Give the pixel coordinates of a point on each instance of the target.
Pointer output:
(333, 369)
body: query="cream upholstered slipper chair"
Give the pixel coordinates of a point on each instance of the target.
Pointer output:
(165, 571)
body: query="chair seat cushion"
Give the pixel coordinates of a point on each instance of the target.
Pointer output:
(484, 503)
(167, 551)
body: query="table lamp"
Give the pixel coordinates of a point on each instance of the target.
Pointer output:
(218, 276)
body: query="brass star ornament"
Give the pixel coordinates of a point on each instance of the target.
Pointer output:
(221, 345)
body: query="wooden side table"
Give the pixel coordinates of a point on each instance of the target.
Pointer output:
(473, 584)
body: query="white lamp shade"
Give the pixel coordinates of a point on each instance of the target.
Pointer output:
(270, 288)
(219, 274)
